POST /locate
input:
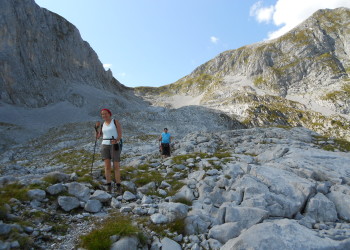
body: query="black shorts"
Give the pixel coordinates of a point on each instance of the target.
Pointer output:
(166, 149)
(109, 152)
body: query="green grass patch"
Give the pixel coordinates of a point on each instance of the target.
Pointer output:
(177, 226)
(115, 224)
(183, 201)
(143, 178)
(180, 159)
(14, 190)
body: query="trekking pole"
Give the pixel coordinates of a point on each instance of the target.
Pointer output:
(97, 125)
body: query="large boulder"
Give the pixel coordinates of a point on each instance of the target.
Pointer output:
(321, 209)
(125, 243)
(93, 206)
(282, 234)
(101, 195)
(225, 232)
(68, 203)
(173, 211)
(340, 196)
(37, 194)
(286, 193)
(79, 190)
(168, 244)
(55, 189)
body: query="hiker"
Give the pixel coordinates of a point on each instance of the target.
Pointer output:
(111, 132)
(165, 140)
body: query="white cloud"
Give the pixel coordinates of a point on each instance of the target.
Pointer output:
(122, 74)
(287, 14)
(214, 39)
(107, 66)
(262, 14)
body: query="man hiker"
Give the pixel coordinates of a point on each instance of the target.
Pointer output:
(111, 132)
(165, 140)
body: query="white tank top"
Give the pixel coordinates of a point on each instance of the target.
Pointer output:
(109, 131)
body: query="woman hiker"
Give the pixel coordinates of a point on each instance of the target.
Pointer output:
(111, 132)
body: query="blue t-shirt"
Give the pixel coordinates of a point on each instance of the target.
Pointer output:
(165, 137)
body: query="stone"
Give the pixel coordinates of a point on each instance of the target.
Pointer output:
(158, 218)
(282, 234)
(225, 232)
(340, 196)
(128, 196)
(173, 211)
(56, 189)
(125, 243)
(129, 185)
(37, 194)
(185, 193)
(93, 206)
(79, 190)
(125, 209)
(246, 216)
(321, 209)
(151, 186)
(146, 200)
(68, 203)
(5, 228)
(169, 244)
(214, 244)
(100, 195)
(115, 203)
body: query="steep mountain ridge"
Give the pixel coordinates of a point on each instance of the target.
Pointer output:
(43, 58)
(304, 73)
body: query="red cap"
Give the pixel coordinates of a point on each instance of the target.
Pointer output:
(110, 113)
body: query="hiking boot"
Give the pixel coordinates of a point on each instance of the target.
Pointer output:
(118, 189)
(107, 187)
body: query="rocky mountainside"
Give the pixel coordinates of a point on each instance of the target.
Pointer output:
(284, 187)
(50, 77)
(44, 59)
(299, 79)
(287, 187)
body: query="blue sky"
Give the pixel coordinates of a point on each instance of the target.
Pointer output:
(157, 42)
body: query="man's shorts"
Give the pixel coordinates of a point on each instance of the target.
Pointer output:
(110, 152)
(166, 149)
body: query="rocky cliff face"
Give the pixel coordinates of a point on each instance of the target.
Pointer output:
(43, 56)
(301, 78)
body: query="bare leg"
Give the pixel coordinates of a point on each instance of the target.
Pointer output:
(117, 172)
(108, 170)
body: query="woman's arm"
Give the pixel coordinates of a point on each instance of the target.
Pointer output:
(119, 130)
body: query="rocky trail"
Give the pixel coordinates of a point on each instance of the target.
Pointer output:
(260, 188)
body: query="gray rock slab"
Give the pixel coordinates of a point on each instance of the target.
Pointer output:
(101, 195)
(79, 190)
(68, 203)
(159, 218)
(37, 194)
(185, 193)
(225, 232)
(282, 234)
(321, 209)
(168, 244)
(128, 196)
(173, 211)
(125, 243)
(340, 196)
(93, 206)
(245, 216)
(56, 189)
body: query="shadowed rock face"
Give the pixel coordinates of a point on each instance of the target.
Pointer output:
(43, 55)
